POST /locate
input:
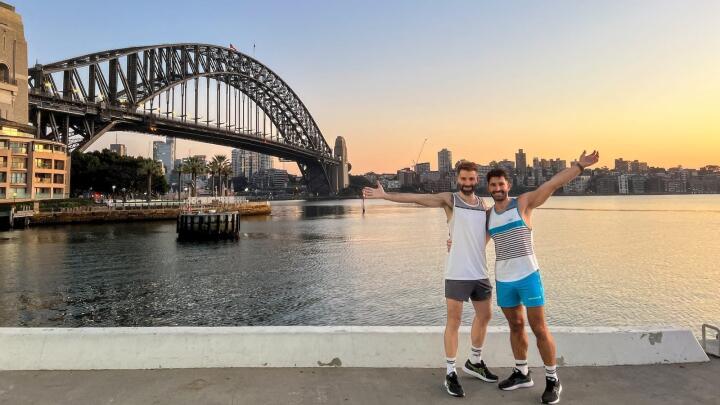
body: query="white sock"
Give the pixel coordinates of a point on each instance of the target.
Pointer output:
(522, 366)
(551, 371)
(450, 364)
(475, 354)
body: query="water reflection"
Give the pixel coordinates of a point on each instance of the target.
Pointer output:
(324, 263)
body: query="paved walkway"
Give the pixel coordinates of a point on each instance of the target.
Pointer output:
(636, 385)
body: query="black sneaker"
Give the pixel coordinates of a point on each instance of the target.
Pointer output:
(480, 371)
(553, 388)
(516, 380)
(452, 385)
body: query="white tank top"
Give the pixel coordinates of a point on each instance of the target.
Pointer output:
(514, 253)
(466, 260)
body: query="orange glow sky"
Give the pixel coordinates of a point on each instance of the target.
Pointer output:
(637, 80)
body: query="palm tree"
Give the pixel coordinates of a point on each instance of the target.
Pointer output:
(213, 168)
(226, 171)
(194, 165)
(221, 164)
(149, 168)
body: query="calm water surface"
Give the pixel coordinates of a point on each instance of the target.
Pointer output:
(613, 261)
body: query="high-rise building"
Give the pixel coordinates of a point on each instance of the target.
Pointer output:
(521, 164)
(422, 168)
(622, 166)
(119, 149)
(637, 167)
(508, 166)
(246, 163)
(30, 168)
(13, 67)
(164, 152)
(557, 166)
(606, 184)
(578, 185)
(406, 177)
(445, 161)
(624, 184)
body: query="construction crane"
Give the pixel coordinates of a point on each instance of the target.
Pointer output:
(415, 162)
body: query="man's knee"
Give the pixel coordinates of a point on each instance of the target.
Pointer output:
(516, 323)
(454, 319)
(540, 330)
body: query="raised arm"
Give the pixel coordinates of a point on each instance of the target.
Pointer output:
(439, 200)
(534, 199)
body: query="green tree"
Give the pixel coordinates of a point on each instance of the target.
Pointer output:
(149, 169)
(222, 168)
(195, 166)
(100, 170)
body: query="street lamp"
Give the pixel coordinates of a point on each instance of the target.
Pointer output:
(113, 188)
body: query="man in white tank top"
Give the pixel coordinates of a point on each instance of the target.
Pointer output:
(517, 273)
(466, 275)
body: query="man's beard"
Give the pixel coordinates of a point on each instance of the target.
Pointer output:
(499, 195)
(467, 190)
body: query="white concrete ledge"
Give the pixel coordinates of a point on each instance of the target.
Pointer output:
(308, 346)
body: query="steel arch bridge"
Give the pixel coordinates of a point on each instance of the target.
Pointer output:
(199, 92)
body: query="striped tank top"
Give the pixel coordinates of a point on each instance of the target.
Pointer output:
(514, 253)
(466, 260)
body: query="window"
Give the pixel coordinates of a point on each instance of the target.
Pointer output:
(58, 192)
(19, 163)
(4, 73)
(3, 193)
(42, 192)
(58, 179)
(19, 147)
(41, 147)
(3, 161)
(3, 177)
(3, 144)
(59, 165)
(18, 192)
(18, 178)
(43, 163)
(43, 177)
(58, 148)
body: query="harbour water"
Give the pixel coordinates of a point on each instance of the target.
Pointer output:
(611, 261)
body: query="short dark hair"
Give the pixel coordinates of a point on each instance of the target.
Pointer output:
(466, 165)
(497, 173)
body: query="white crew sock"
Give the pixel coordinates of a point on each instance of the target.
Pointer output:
(522, 366)
(475, 354)
(450, 364)
(551, 372)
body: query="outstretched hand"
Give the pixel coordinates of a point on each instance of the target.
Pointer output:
(589, 160)
(379, 192)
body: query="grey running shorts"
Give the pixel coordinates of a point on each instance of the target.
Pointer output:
(461, 290)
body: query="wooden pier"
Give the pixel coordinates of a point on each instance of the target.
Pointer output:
(208, 225)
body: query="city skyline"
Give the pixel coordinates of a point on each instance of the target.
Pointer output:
(628, 79)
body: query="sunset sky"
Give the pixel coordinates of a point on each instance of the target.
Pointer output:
(633, 79)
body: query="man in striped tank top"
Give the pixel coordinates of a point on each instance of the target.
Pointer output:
(517, 273)
(466, 275)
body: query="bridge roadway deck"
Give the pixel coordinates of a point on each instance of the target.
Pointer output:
(637, 385)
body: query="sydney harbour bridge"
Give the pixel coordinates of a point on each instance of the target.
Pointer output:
(198, 92)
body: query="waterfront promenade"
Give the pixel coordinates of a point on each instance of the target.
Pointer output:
(638, 385)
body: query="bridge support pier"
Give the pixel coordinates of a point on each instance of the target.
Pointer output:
(319, 177)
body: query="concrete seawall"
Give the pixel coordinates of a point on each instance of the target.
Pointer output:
(332, 346)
